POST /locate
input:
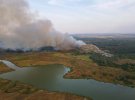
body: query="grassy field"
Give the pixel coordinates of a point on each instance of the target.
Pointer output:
(14, 90)
(81, 66)
(4, 68)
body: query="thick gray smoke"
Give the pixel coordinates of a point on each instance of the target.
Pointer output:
(19, 29)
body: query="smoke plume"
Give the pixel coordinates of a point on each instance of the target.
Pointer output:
(20, 29)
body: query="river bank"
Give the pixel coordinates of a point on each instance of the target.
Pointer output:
(50, 77)
(13, 90)
(4, 68)
(81, 66)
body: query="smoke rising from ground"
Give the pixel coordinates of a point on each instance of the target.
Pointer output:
(19, 29)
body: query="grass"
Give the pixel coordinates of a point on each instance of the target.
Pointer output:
(14, 90)
(4, 68)
(81, 65)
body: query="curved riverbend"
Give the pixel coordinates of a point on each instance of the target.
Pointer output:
(51, 78)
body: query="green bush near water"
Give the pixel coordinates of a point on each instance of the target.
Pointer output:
(111, 62)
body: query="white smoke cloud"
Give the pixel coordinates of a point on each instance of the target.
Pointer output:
(19, 29)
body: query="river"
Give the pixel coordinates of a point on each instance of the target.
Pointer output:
(51, 78)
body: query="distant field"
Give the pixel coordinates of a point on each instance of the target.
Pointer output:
(118, 44)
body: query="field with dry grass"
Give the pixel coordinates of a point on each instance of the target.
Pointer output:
(81, 66)
(13, 90)
(4, 68)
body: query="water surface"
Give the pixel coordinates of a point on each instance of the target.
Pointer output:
(51, 78)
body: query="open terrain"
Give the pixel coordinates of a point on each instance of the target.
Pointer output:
(119, 69)
(4, 68)
(81, 66)
(14, 90)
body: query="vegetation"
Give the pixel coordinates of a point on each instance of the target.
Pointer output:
(112, 62)
(122, 47)
(14, 90)
(4, 68)
(126, 79)
(82, 66)
(119, 69)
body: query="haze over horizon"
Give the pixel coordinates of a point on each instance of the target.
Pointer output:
(88, 16)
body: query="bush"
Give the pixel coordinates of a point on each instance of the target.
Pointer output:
(106, 61)
(125, 80)
(102, 60)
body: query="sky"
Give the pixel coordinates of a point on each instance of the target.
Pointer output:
(87, 16)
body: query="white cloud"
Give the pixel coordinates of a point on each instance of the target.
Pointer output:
(90, 15)
(63, 2)
(113, 4)
(55, 2)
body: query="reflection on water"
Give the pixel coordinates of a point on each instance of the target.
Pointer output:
(51, 78)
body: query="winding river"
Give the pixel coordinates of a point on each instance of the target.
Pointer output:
(51, 78)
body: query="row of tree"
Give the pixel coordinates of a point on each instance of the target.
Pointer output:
(111, 62)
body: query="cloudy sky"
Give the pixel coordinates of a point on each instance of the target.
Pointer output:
(88, 16)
